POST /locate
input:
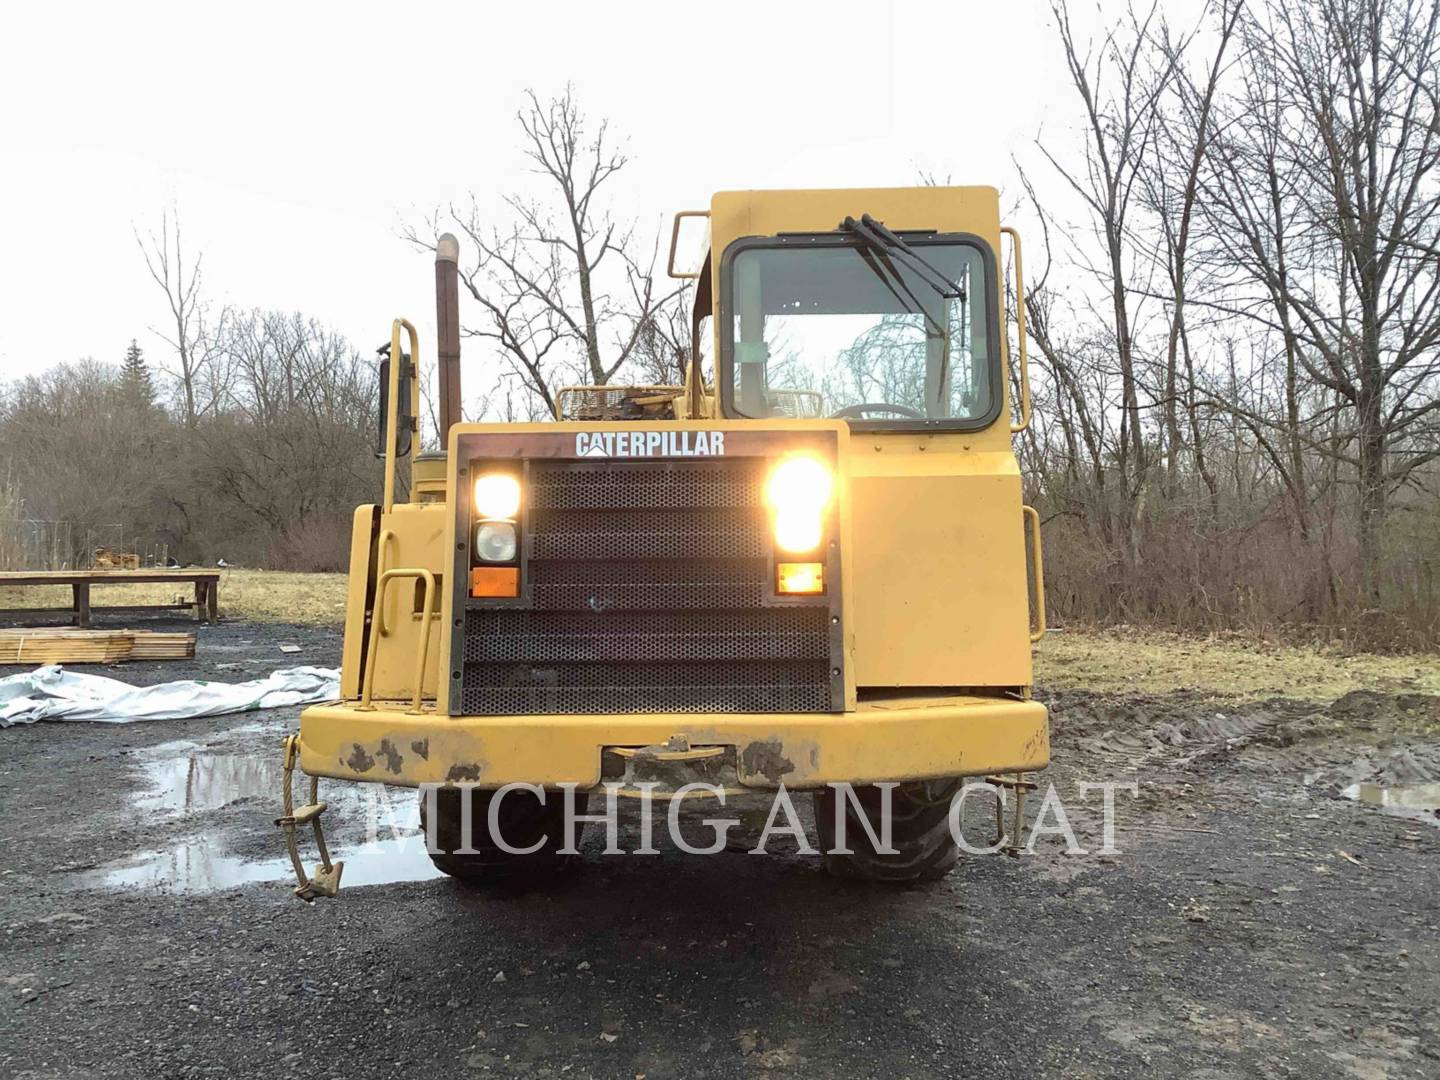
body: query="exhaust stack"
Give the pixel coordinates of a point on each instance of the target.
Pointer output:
(447, 322)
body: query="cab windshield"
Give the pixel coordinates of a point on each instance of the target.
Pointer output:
(829, 325)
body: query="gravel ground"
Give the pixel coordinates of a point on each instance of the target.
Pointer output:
(1253, 922)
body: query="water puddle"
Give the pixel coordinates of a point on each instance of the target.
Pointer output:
(197, 866)
(374, 829)
(1418, 802)
(201, 781)
(213, 803)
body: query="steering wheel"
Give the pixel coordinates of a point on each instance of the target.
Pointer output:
(863, 410)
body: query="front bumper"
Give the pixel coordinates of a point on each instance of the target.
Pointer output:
(897, 738)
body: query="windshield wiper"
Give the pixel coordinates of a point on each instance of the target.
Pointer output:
(872, 251)
(910, 302)
(878, 236)
(886, 244)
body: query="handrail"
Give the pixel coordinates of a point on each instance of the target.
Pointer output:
(392, 418)
(1024, 423)
(675, 242)
(1037, 558)
(387, 536)
(378, 630)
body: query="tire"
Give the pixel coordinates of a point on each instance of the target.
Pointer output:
(920, 836)
(523, 821)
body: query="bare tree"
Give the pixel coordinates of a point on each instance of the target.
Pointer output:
(83, 451)
(1119, 93)
(1249, 299)
(1338, 125)
(1172, 195)
(663, 346)
(190, 336)
(568, 294)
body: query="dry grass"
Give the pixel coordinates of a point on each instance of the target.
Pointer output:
(1151, 661)
(262, 595)
(1137, 661)
(283, 596)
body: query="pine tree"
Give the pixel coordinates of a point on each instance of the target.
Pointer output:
(135, 381)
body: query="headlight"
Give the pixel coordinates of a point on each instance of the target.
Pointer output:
(798, 492)
(495, 541)
(798, 481)
(497, 495)
(797, 531)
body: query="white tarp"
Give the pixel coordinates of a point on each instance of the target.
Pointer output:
(52, 693)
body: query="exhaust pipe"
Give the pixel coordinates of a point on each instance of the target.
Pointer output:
(447, 322)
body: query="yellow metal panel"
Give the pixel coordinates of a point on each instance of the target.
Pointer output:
(357, 588)
(974, 209)
(902, 739)
(414, 536)
(938, 553)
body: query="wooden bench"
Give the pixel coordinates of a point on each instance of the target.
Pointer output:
(206, 605)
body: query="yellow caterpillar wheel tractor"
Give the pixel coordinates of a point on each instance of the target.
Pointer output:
(805, 567)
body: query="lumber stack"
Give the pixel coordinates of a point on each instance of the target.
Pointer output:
(59, 645)
(155, 645)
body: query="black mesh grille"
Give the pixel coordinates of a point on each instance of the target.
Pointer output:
(671, 486)
(630, 535)
(649, 571)
(531, 636)
(646, 585)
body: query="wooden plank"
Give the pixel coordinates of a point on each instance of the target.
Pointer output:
(69, 646)
(73, 647)
(163, 646)
(18, 613)
(184, 605)
(104, 577)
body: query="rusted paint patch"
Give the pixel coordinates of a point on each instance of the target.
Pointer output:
(463, 772)
(766, 759)
(359, 760)
(393, 758)
(421, 748)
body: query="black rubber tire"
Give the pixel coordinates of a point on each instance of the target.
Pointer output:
(924, 850)
(523, 821)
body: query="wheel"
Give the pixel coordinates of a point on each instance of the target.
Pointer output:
(920, 836)
(523, 822)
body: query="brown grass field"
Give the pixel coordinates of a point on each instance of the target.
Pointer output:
(1124, 660)
(263, 595)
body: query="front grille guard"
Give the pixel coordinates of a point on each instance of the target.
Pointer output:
(647, 586)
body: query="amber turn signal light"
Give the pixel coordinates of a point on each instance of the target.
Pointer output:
(495, 581)
(800, 578)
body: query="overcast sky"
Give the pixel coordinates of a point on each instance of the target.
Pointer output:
(296, 138)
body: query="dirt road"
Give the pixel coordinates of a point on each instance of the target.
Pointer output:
(1254, 922)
